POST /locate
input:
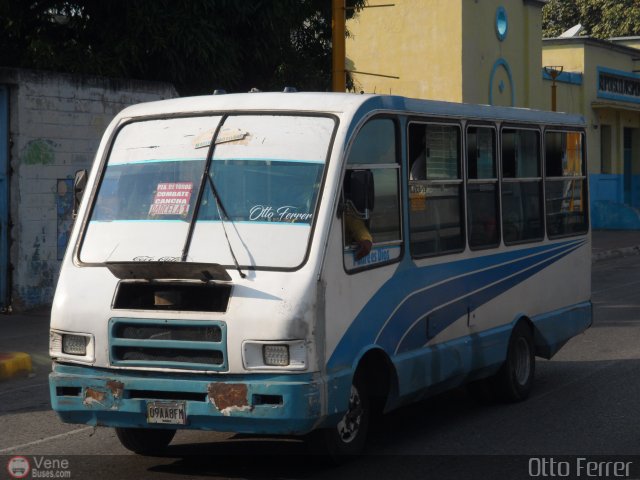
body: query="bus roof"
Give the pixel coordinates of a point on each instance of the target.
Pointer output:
(346, 103)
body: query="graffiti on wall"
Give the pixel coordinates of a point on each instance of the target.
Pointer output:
(39, 152)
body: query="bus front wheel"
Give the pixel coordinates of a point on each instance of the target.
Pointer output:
(349, 436)
(145, 441)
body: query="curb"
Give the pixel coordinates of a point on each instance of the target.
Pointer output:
(616, 253)
(14, 363)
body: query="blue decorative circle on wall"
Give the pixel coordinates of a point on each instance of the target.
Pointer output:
(501, 65)
(502, 24)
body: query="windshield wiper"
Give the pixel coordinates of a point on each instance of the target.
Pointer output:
(223, 212)
(206, 178)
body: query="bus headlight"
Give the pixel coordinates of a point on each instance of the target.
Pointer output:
(288, 354)
(75, 346)
(276, 355)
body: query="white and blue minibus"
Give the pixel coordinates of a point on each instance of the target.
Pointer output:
(291, 263)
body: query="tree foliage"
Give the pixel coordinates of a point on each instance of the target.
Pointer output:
(558, 16)
(599, 18)
(198, 45)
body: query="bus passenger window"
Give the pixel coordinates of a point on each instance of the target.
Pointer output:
(374, 150)
(358, 204)
(482, 188)
(435, 189)
(565, 184)
(521, 186)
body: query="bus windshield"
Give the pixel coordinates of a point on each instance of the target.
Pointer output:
(266, 171)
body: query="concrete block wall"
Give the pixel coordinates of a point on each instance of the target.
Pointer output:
(56, 122)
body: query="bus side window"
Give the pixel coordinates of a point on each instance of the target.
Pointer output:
(565, 184)
(482, 188)
(374, 150)
(521, 186)
(435, 189)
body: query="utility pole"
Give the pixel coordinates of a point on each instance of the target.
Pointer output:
(338, 14)
(553, 72)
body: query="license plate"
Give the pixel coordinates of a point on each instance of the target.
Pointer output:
(169, 413)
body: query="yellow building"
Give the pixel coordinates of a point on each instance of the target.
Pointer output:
(599, 82)
(472, 51)
(492, 52)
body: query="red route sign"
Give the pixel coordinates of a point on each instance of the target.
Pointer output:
(172, 199)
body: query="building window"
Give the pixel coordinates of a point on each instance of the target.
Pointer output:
(565, 184)
(521, 186)
(482, 188)
(435, 189)
(502, 24)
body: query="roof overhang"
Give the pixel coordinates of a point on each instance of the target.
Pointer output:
(613, 105)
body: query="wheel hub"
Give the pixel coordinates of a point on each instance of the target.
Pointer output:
(522, 361)
(349, 426)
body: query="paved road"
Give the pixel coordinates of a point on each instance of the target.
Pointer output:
(586, 402)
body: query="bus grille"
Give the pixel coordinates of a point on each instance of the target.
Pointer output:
(180, 344)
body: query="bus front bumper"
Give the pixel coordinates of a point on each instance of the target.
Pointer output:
(256, 404)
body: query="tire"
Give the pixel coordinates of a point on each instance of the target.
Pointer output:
(145, 441)
(514, 381)
(348, 437)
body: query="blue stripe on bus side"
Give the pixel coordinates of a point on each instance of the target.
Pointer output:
(445, 315)
(393, 316)
(446, 365)
(452, 290)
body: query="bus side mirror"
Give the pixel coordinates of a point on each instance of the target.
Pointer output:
(79, 184)
(360, 192)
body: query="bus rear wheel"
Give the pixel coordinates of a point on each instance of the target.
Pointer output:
(514, 381)
(145, 441)
(349, 436)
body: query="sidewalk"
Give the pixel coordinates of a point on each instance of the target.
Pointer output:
(28, 332)
(24, 339)
(607, 244)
